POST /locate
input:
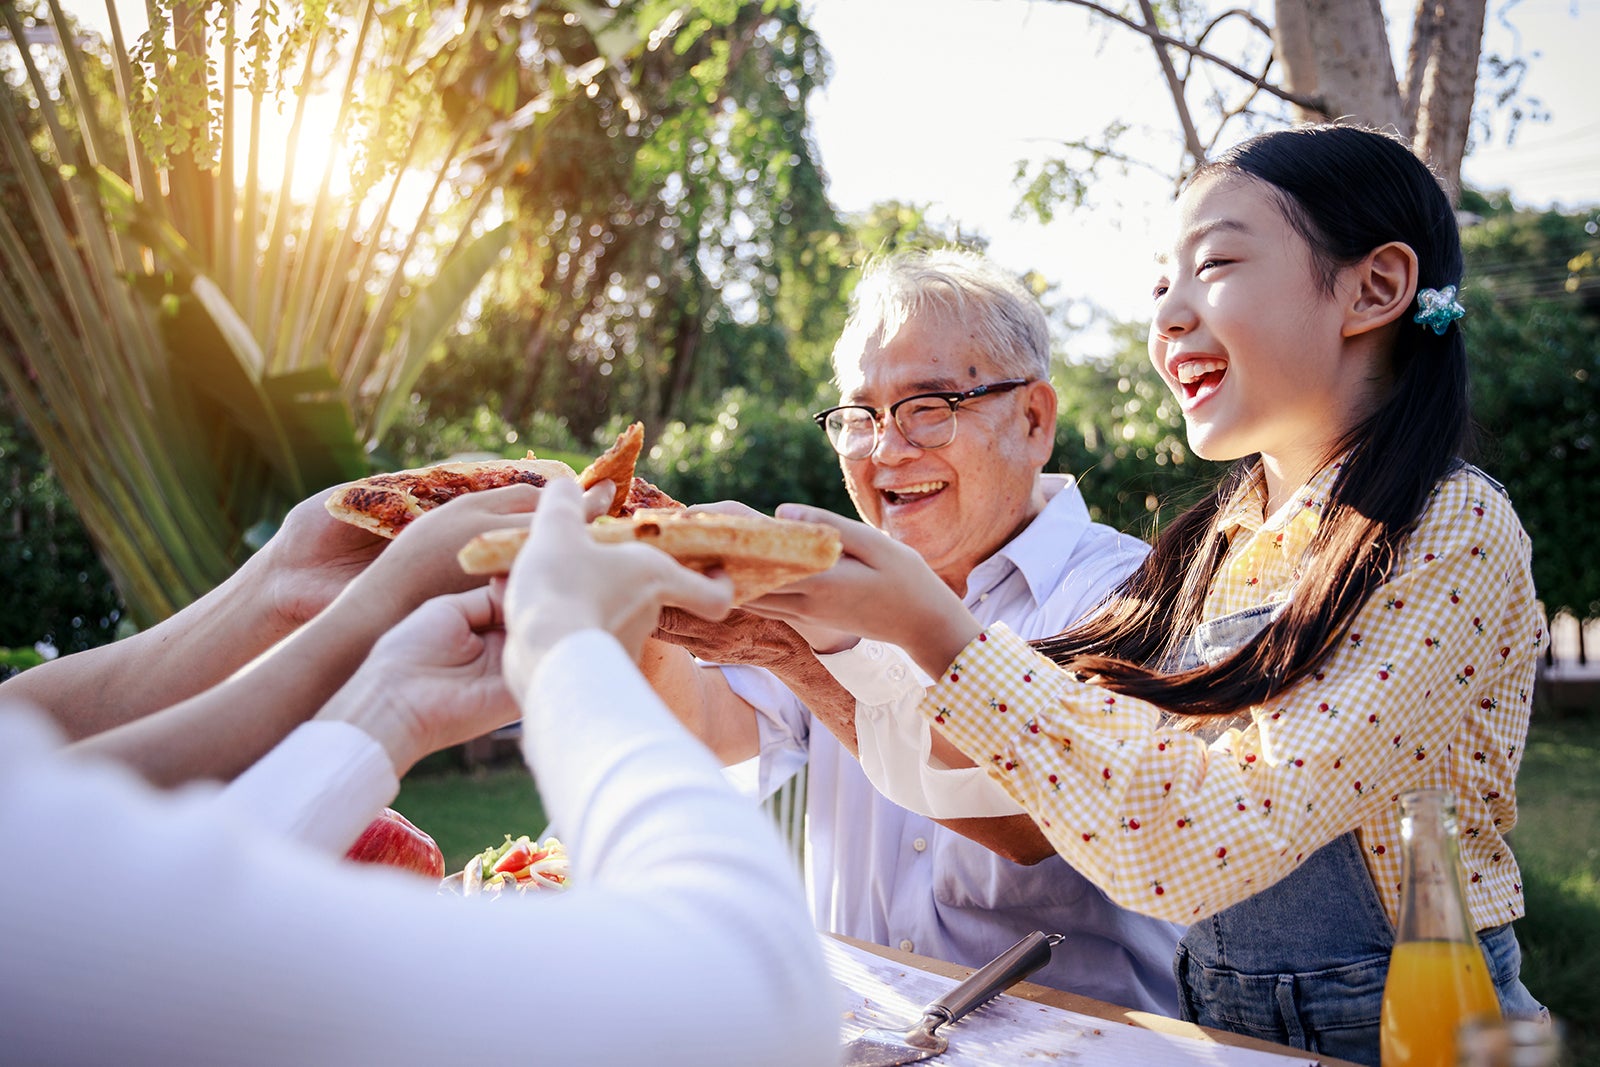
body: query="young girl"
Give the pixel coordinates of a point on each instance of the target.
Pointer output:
(1349, 615)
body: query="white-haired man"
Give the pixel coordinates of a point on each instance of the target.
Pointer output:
(946, 422)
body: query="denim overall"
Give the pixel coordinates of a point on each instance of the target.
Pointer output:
(1303, 962)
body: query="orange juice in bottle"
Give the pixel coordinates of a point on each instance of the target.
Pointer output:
(1433, 987)
(1438, 978)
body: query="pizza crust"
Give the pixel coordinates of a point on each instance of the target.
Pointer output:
(616, 465)
(759, 553)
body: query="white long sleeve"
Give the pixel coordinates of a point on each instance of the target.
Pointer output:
(320, 786)
(138, 927)
(895, 741)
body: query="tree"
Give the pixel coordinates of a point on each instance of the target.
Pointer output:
(1228, 72)
(656, 234)
(1120, 433)
(195, 350)
(57, 591)
(1533, 337)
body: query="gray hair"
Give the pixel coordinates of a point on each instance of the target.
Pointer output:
(1004, 317)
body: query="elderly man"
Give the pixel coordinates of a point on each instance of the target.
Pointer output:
(947, 420)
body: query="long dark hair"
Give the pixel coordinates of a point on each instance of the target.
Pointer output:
(1346, 190)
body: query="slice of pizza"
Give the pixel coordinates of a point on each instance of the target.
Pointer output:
(616, 465)
(642, 495)
(388, 503)
(759, 553)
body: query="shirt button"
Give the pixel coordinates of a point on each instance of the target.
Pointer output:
(897, 672)
(874, 650)
(906, 945)
(920, 844)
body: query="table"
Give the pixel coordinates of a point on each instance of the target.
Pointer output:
(888, 987)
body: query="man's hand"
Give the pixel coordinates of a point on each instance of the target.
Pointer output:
(741, 637)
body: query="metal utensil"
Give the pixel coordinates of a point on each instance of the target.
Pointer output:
(890, 1048)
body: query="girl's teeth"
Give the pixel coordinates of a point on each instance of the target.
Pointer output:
(1189, 373)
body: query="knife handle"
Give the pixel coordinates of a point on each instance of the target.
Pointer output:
(995, 977)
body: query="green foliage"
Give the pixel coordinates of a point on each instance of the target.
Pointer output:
(57, 591)
(198, 348)
(1121, 434)
(1533, 337)
(1557, 847)
(752, 450)
(421, 438)
(659, 232)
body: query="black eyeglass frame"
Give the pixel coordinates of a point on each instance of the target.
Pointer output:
(952, 397)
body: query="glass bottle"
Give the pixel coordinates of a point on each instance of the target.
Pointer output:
(1438, 978)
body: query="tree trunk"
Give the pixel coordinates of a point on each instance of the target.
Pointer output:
(688, 326)
(1350, 47)
(1441, 77)
(1296, 55)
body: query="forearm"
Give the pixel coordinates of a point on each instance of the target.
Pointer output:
(102, 688)
(1013, 837)
(831, 703)
(217, 733)
(702, 701)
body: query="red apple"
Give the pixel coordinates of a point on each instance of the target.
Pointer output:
(391, 838)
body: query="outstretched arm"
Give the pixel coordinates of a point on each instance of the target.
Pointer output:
(221, 731)
(214, 934)
(297, 574)
(701, 699)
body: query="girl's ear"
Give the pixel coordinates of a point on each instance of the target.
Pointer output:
(1383, 286)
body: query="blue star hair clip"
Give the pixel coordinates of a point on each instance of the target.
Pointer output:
(1438, 308)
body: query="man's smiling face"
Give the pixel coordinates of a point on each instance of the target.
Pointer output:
(955, 505)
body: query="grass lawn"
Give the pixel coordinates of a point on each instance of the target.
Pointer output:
(1557, 842)
(466, 812)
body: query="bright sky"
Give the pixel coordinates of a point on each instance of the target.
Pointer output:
(934, 102)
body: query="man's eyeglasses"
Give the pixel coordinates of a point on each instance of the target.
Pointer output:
(926, 420)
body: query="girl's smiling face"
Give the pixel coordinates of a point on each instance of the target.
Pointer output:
(1248, 338)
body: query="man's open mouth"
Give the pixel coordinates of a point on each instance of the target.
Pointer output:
(910, 494)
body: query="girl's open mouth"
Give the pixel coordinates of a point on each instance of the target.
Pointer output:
(1200, 378)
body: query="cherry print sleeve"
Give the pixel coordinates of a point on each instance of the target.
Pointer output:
(1173, 827)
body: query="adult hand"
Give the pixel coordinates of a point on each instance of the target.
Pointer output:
(740, 637)
(421, 563)
(311, 559)
(432, 681)
(314, 557)
(563, 582)
(879, 589)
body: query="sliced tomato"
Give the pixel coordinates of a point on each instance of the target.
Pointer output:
(517, 857)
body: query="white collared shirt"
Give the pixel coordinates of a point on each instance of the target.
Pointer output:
(880, 873)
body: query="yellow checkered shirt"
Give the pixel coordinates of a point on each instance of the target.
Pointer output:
(1431, 687)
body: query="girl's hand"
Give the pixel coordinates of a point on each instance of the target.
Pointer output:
(879, 589)
(563, 582)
